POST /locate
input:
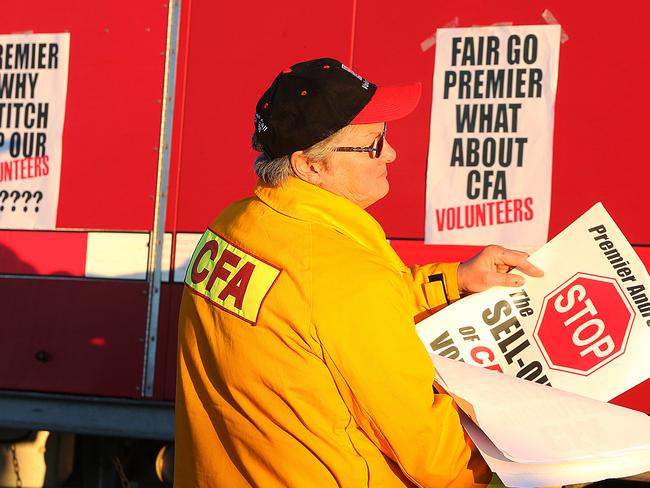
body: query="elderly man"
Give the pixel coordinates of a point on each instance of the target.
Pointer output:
(299, 364)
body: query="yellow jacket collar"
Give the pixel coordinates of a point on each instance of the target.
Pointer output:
(304, 201)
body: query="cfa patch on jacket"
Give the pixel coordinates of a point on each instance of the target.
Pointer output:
(229, 277)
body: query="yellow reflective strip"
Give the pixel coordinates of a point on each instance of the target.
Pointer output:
(229, 276)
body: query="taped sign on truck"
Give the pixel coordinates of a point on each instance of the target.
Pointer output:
(583, 327)
(33, 88)
(491, 135)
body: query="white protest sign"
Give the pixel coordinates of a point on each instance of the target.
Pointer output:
(491, 138)
(584, 327)
(33, 87)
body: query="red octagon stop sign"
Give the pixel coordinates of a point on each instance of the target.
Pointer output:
(584, 324)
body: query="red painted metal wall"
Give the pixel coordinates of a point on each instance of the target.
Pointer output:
(72, 336)
(228, 54)
(112, 120)
(599, 118)
(92, 331)
(599, 121)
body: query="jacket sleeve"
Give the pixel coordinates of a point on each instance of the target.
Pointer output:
(433, 285)
(385, 376)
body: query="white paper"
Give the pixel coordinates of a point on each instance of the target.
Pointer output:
(33, 87)
(491, 136)
(531, 475)
(532, 423)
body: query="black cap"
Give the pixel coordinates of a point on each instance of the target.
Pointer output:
(307, 103)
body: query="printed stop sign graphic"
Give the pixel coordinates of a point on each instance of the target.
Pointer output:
(584, 324)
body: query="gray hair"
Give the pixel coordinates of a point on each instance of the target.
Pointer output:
(275, 171)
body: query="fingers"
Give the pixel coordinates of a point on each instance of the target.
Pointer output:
(639, 477)
(530, 269)
(518, 259)
(490, 267)
(495, 278)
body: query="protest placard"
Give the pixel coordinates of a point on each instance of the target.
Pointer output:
(491, 135)
(33, 87)
(584, 327)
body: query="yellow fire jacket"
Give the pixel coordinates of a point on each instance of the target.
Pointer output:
(298, 362)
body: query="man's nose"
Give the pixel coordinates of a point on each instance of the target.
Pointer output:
(388, 154)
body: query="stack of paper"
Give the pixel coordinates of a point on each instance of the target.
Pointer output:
(532, 435)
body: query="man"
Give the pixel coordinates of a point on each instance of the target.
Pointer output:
(299, 364)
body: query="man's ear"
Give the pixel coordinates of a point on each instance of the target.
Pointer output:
(307, 169)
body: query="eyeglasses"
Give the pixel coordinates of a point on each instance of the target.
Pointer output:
(374, 150)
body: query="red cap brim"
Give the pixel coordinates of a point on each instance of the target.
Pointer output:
(390, 103)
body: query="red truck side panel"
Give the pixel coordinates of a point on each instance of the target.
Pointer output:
(112, 121)
(233, 55)
(227, 55)
(600, 116)
(72, 336)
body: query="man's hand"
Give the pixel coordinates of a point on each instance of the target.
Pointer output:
(490, 267)
(639, 477)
